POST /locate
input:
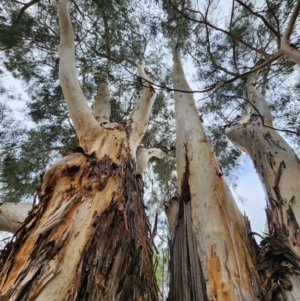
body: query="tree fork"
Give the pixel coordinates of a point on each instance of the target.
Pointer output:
(89, 237)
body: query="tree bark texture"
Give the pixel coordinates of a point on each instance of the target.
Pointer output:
(278, 168)
(211, 252)
(89, 237)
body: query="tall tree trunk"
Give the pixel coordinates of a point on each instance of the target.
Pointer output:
(278, 168)
(89, 237)
(211, 252)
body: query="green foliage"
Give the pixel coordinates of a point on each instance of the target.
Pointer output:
(22, 166)
(13, 32)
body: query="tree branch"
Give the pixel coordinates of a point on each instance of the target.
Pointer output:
(79, 110)
(214, 63)
(140, 116)
(291, 52)
(257, 100)
(12, 215)
(101, 106)
(221, 30)
(291, 23)
(274, 16)
(24, 8)
(144, 156)
(262, 18)
(221, 84)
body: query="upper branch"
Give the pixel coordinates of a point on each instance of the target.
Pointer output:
(262, 18)
(101, 106)
(286, 48)
(291, 23)
(24, 8)
(257, 100)
(262, 52)
(274, 16)
(140, 116)
(79, 110)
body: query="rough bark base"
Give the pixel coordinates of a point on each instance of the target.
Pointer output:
(117, 261)
(186, 276)
(113, 258)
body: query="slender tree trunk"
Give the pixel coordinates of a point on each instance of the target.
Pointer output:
(89, 237)
(211, 252)
(278, 168)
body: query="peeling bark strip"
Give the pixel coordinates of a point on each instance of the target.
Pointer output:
(186, 276)
(108, 259)
(277, 266)
(103, 273)
(187, 281)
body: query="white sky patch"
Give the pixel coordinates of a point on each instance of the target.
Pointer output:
(250, 189)
(15, 86)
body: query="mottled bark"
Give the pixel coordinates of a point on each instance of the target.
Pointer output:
(278, 168)
(89, 237)
(211, 252)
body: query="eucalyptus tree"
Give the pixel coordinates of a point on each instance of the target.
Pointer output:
(275, 26)
(274, 265)
(91, 200)
(89, 227)
(106, 49)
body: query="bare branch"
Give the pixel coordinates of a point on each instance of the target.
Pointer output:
(24, 8)
(140, 116)
(215, 64)
(274, 16)
(79, 110)
(291, 23)
(101, 106)
(12, 215)
(221, 84)
(221, 30)
(262, 18)
(144, 156)
(258, 100)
